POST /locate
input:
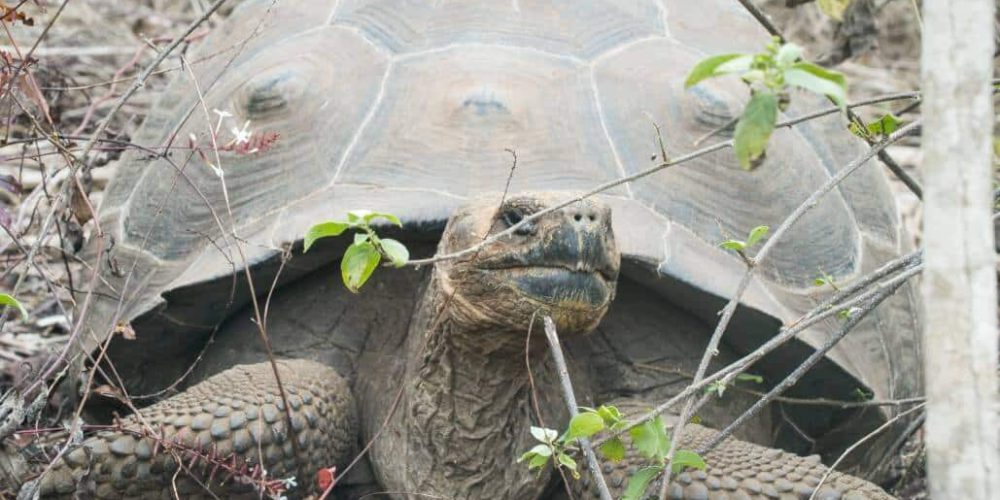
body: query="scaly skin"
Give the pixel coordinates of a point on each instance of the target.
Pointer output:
(735, 470)
(464, 414)
(237, 412)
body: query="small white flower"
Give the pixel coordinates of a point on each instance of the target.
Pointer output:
(242, 136)
(217, 170)
(222, 116)
(289, 482)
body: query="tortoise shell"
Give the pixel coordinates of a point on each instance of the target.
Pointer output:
(408, 108)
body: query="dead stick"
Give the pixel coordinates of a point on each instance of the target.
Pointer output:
(567, 387)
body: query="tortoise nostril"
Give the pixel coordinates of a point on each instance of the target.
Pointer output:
(592, 217)
(578, 217)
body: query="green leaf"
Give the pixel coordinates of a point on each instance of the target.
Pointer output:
(685, 458)
(788, 54)
(651, 439)
(749, 377)
(717, 387)
(543, 434)
(754, 129)
(717, 65)
(360, 238)
(862, 394)
(858, 131)
(370, 216)
(10, 301)
(322, 230)
(833, 8)
(537, 462)
(568, 462)
(610, 414)
(885, 125)
(819, 80)
(584, 425)
(733, 245)
(541, 449)
(756, 234)
(613, 449)
(356, 216)
(756, 75)
(639, 481)
(358, 264)
(395, 251)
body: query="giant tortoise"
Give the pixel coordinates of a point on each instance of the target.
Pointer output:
(407, 108)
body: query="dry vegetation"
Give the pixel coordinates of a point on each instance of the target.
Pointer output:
(90, 53)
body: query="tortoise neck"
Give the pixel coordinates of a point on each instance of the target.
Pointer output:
(469, 402)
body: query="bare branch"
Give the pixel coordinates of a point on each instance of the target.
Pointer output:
(570, 397)
(883, 292)
(730, 309)
(891, 164)
(861, 441)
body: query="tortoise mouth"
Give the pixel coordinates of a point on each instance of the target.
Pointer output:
(561, 287)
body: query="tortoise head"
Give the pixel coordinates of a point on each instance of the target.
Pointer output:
(563, 264)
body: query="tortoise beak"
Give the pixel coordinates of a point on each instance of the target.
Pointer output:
(573, 264)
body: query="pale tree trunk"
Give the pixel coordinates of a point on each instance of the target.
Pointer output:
(959, 287)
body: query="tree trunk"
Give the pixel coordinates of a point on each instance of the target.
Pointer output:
(959, 287)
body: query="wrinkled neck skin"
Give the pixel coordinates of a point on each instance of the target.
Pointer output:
(466, 410)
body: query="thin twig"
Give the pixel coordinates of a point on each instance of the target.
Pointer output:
(248, 275)
(762, 18)
(890, 163)
(140, 81)
(911, 259)
(76, 165)
(570, 397)
(600, 188)
(834, 403)
(698, 153)
(730, 309)
(808, 319)
(534, 398)
(884, 291)
(861, 441)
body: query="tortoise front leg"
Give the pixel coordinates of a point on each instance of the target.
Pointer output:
(736, 470)
(232, 421)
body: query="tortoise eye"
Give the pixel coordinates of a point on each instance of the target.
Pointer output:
(513, 216)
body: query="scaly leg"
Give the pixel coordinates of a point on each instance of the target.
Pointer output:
(233, 420)
(736, 470)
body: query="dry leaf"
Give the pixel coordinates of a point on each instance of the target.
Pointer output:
(11, 15)
(108, 391)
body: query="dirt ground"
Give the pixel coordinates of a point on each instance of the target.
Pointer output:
(94, 49)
